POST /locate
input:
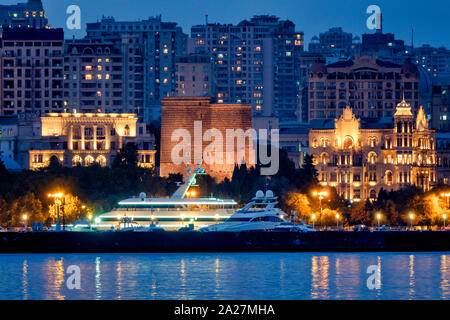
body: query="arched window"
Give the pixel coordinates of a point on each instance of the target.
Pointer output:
(373, 194)
(324, 158)
(389, 178)
(348, 142)
(372, 158)
(127, 130)
(77, 161)
(372, 142)
(54, 160)
(88, 160)
(101, 160)
(315, 144)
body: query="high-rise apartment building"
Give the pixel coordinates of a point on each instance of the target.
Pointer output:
(371, 87)
(195, 76)
(23, 15)
(149, 50)
(436, 61)
(96, 78)
(32, 71)
(255, 62)
(334, 40)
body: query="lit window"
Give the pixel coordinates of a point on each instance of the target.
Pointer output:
(99, 77)
(99, 68)
(88, 77)
(99, 93)
(88, 68)
(107, 76)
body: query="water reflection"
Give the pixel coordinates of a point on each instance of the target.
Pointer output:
(320, 274)
(227, 276)
(98, 284)
(412, 278)
(25, 280)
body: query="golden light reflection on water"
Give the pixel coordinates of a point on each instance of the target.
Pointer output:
(320, 273)
(119, 279)
(25, 279)
(412, 277)
(55, 276)
(445, 277)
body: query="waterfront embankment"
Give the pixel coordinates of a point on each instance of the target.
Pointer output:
(328, 241)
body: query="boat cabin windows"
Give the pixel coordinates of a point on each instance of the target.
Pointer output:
(267, 219)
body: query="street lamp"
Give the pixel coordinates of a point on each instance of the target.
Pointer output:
(320, 195)
(25, 218)
(444, 216)
(337, 220)
(378, 219)
(411, 218)
(58, 201)
(313, 218)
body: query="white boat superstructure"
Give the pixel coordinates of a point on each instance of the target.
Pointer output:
(261, 214)
(181, 210)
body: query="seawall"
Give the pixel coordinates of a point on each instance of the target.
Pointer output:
(103, 242)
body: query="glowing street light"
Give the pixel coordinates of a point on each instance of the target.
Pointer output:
(411, 218)
(444, 216)
(320, 195)
(337, 220)
(25, 218)
(313, 218)
(59, 197)
(378, 219)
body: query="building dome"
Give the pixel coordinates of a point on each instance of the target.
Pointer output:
(318, 68)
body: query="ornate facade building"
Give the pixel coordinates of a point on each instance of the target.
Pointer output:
(359, 157)
(73, 139)
(371, 87)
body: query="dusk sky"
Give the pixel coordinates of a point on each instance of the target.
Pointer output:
(428, 18)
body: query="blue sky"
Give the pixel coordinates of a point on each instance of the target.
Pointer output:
(428, 18)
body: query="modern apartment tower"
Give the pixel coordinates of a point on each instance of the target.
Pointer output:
(255, 62)
(371, 87)
(149, 50)
(32, 71)
(23, 15)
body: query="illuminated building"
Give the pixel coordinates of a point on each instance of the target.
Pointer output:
(443, 157)
(149, 49)
(194, 76)
(371, 87)
(32, 71)
(334, 40)
(23, 15)
(182, 114)
(255, 62)
(96, 78)
(359, 157)
(73, 139)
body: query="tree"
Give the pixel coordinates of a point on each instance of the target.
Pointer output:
(299, 203)
(27, 205)
(71, 209)
(127, 157)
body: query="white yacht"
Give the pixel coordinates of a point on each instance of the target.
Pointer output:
(260, 214)
(182, 210)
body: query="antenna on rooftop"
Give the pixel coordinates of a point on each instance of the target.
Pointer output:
(206, 18)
